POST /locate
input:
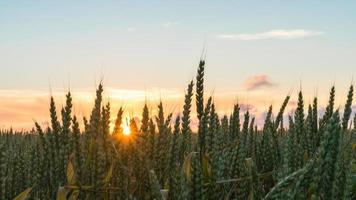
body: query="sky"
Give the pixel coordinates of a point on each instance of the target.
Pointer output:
(257, 52)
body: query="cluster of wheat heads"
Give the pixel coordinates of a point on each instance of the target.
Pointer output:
(227, 158)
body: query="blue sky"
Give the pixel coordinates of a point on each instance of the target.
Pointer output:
(157, 44)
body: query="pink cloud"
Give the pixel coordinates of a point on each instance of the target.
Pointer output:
(257, 81)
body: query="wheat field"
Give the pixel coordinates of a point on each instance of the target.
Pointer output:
(161, 157)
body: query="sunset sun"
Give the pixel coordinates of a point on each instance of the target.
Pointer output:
(126, 130)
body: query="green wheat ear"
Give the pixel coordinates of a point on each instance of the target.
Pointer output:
(200, 89)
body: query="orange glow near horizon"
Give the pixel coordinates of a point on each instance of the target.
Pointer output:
(19, 108)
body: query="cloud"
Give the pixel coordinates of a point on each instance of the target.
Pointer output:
(169, 24)
(278, 34)
(247, 107)
(257, 81)
(130, 29)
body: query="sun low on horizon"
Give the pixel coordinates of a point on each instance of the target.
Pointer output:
(126, 130)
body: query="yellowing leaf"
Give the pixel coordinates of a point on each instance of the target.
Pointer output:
(62, 193)
(250, 195)
(187, 166)
(109, 174)
(87, 187)
(70, 174)
(74, 195)
(23, 195)
(306, 156)
(248, 163)
(72, 187)
(206, 166)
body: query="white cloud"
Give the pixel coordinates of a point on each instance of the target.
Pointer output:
(273, 34)
(130, 29)
(170, 24)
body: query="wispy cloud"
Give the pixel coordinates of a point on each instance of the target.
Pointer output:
(130, 29)
(170, 24)
(278, 34)
(257, 81)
